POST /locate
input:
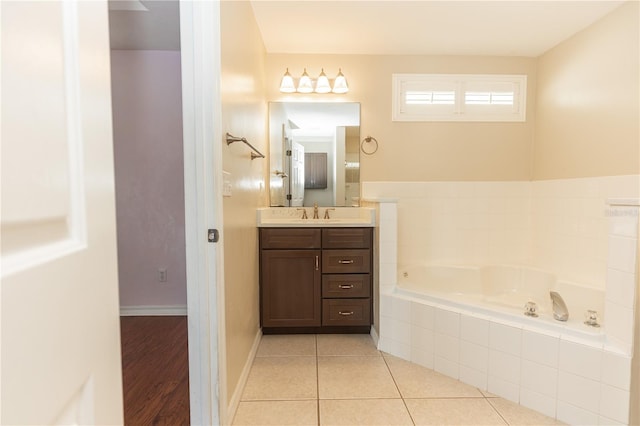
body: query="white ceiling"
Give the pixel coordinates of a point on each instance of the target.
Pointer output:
(419, 27)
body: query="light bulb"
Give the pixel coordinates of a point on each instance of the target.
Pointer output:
(322, 85)
(340, 83)
(305, 85)
(287, 85)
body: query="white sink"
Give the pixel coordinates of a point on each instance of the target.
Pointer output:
(274, 217)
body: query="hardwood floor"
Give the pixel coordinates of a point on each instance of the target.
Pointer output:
(155, 370)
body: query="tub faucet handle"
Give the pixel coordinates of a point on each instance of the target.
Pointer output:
(560, 311)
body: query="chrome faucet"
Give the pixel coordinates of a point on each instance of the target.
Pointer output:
(315, 211)
(560, 311)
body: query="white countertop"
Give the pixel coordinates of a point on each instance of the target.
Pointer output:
(291, 217)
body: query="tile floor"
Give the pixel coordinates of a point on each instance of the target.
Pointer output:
(331, 379)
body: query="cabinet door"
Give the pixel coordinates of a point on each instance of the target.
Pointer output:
(290, 288)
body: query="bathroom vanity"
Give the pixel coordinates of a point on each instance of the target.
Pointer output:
(316, 279)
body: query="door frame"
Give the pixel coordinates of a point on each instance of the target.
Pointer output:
(202, 142)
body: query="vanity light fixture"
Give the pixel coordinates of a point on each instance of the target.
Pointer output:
(306, 84)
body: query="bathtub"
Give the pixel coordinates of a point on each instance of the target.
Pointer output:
(468, 323)
(501, 291)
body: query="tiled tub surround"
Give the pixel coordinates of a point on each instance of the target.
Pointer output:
(503, 291)
(576, 380)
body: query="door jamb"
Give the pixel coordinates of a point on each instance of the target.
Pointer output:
(202, 141)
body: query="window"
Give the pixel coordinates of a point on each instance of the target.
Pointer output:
(459, 97)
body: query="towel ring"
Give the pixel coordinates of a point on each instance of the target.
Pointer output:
(368, 140)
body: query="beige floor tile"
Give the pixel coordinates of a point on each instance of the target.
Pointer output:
(354, 377)
(372, 412)
(517, 415)
(415, 381)
(287, 345)
(281, 378)
(346, 345)
(453, 411)
(277, 413)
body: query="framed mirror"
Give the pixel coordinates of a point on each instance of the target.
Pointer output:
(314, 154)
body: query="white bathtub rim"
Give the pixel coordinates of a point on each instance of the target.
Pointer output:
(472, 290)
(595, 339)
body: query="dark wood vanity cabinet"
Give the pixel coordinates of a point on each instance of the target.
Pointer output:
(315, 280)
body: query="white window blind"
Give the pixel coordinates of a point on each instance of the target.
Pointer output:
(459, 97)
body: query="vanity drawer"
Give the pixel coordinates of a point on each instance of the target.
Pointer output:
(346, 311)
(346, 261)
(346, 285)
(346, 238)
(290, 238)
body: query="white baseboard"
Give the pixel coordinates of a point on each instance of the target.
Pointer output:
(374, 336)
(161, 310)
(237, 393)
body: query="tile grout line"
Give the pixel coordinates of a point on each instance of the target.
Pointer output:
(397, 388)
(496, 410)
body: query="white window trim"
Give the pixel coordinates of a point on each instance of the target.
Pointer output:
(516, 113)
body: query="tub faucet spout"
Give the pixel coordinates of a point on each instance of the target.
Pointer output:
(560, 311)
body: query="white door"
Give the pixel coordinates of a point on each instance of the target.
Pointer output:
(297, 174)
(60, 340)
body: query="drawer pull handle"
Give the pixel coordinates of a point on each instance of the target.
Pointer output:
(317, 263)
(345, 313)
(345, 261)
(346, 286)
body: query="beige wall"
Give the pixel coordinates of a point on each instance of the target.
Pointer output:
(587, 101)
(244, 114)
(421, 151)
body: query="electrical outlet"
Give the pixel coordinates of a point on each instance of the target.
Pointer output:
(162, 275)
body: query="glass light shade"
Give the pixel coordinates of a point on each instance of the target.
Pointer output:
(322, 85)
(287, 85)
(340, 84)
(305, 85)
